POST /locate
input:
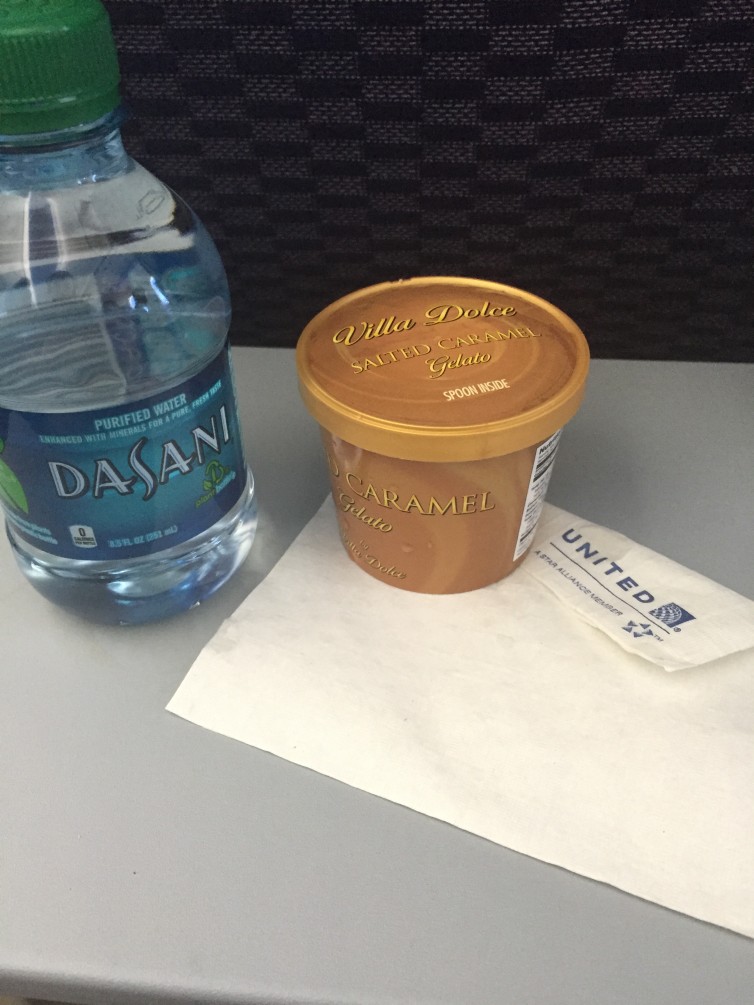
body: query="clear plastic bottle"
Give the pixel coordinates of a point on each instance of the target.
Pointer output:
(122, 475)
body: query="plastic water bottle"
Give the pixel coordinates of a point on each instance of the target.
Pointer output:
(122, 475)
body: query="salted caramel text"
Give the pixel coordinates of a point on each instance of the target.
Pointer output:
(455, 505)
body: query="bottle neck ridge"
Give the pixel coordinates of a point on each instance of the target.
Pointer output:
(77, 155)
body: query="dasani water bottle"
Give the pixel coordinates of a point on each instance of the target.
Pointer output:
(122, 473)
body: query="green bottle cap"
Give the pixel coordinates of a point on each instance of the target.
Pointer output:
(58, 65)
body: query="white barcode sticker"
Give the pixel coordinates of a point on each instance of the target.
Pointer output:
(541, 473)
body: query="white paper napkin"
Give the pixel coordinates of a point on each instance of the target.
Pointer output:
(504, 713)
(645, 602)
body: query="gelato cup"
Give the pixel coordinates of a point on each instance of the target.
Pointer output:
(441, 402)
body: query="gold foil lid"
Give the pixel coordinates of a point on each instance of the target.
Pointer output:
(439, 368)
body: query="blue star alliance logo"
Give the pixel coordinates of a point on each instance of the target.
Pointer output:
(637, 630)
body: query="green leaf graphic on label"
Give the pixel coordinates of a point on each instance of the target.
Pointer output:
(11, 490)
(215, 473)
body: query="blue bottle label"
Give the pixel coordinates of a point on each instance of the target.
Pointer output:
(129, 480)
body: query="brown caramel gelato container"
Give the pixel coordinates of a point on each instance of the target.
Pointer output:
(441, 402)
